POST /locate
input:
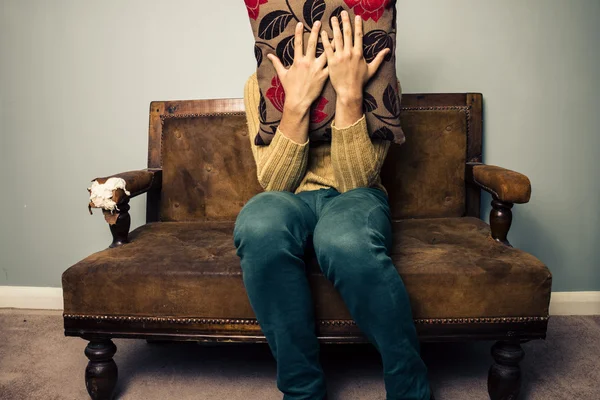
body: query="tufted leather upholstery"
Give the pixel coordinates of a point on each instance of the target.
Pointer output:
(451, 268)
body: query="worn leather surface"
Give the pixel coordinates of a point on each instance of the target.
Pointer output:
(508, 186)
(209, 172)
(208, 169)
(425, 176)
(136, 182)
(451, 268)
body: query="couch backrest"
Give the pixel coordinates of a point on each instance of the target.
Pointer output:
(209, 173)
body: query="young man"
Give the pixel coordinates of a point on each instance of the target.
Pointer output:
(330, 196)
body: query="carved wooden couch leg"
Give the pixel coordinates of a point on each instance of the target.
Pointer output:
(101, 372)
(119, 224)
(504, 378)
(500, 220)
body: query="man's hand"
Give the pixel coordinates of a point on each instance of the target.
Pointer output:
(348, 69)
(303, 83)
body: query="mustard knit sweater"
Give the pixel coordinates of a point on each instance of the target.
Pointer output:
(352, 159)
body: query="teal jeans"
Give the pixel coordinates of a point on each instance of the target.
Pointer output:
(351, 236)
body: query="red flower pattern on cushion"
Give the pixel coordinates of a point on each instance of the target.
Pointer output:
(276, 93)
(316, 110)
(253, 7)
(368, 8)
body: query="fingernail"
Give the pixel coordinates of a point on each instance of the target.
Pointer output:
(317, 23)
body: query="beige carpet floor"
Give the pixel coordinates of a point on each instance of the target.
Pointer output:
(38, 362)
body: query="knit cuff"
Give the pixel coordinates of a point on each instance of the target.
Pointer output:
(281, 137)
(360, 120)
(286, 163)
(356, 134)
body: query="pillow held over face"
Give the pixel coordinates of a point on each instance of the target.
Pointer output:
(273, 23)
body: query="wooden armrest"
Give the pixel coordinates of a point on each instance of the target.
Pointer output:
(505, 185)
(116, 206)
(136, 182)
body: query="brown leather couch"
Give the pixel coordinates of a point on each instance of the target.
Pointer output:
(178, 277)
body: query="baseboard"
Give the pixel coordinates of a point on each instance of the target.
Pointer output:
(39, 298)
(44, 298)
(575, 303)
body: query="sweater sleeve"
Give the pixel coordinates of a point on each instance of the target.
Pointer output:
(281, 165)
(355, 157)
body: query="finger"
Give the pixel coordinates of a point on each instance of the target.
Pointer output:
(327, 47)
(279, 68)
(298, 50)
(337, 34)
(321, 60)
(358, 33)
(347, 31)
(311, 48)
(376, 63)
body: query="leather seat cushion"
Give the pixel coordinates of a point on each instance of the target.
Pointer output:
(451, 267)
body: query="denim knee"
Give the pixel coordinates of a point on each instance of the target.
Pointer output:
(353, 241)
(264, 215)
(369, 194)
(342, 255)
(270, 221)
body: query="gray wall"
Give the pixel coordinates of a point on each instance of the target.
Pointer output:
(76, 79)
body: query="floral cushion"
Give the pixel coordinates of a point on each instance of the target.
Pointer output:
(273, 23)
